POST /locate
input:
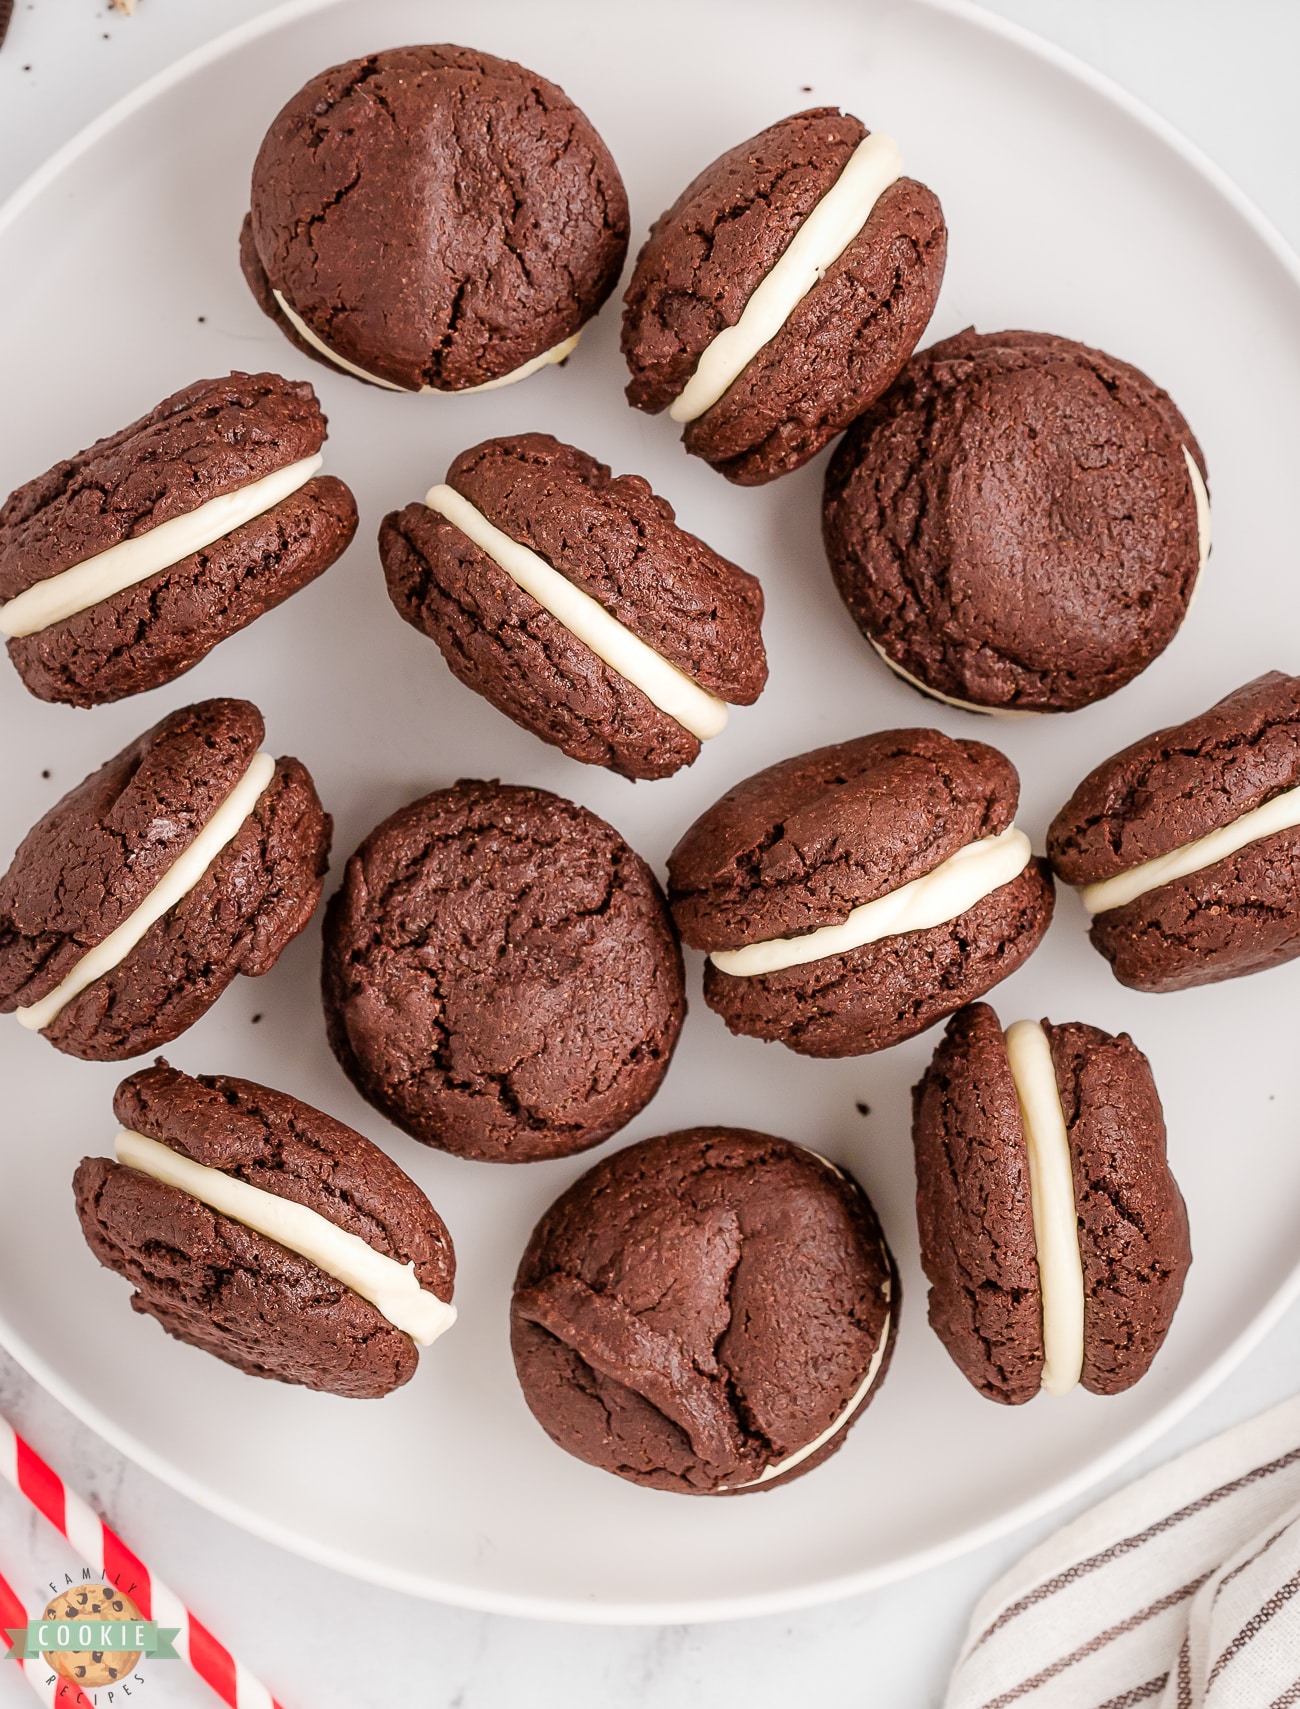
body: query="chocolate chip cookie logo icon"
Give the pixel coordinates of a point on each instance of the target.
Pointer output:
(93, 1637)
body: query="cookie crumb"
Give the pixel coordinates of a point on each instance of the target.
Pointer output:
(125, 7)
(47, 775)
(202, 319)
(256, 1019)
(861, 1108)
(805, 88)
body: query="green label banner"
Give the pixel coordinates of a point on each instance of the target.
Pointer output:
(82, 1637)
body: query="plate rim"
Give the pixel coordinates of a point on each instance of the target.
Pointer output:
(535, 1606)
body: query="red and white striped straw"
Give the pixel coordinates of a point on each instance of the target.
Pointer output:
(99, 1546)
(49, 1686)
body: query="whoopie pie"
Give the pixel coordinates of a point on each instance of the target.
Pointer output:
(125, 565)
(706, 1312)
(433, 218)
(189, 857)
(1053, 1234)
(1186, 845)
(501, 975)
(782, 291)
(1019, 523)
(574, 603)
(257, 1228)
(851, 897)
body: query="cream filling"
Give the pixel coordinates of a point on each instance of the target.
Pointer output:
(557, 353)
(955, 885)
(671, 690)
(779, 1467)
(392, 1288)
(1282, 813)
(1051, 1192)
(175, 884)
(1202, 498)
(135, 560)
(829, 229)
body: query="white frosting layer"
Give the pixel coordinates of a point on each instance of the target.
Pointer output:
(671, 690)
(131, 561)
(829, 229)
(1202, 498)
(955, 885)
(1051, 1190)
(948, 699)
(392, 1288)
(1282, 813)
(174, 885)
(779, 1467)
(556, 353)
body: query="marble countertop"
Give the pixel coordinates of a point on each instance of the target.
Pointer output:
(1224, 75)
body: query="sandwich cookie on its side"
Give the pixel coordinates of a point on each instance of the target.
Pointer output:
(433, 219)
(255, 1227)
(575, 604)
(708, 1312)
(501, 976)
(125, 565)
(1053, 1235)
(190, 857)
(853, 896)
(782, 292)
(1017, 526)
(1187, 844)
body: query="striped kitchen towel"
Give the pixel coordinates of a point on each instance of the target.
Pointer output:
(1180, 1591)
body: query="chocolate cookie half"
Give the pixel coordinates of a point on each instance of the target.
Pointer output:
(782, 292)
(1019, 523)
(1053, 1235)
(707, 1312)
(125, 565)
(257, 1228)
(188, 858)
(1186, 845)
(433, 219)
(501, 976)
(575, 604)
(851, 897)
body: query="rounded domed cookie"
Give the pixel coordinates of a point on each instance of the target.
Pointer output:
(1053, 1235)
(501, 976)
(261, 1230)
(122, 567)
(1186, 844)
(433, 218)
(781, 293)
(707, 1312)
(574, 603)
(1018, 524)
(850, 897)
(188, 858)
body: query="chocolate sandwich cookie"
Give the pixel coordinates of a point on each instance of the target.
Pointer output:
(851, 897)
(125, 565)
(501, 976)
(1018, 524)
(1186, 845)
(707, 1312)
(782, 292)
(190, 857)
(575, 604)
(259, 1229)
(1053, 1235)
(433, 219)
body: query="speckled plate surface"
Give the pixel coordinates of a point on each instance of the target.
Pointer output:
(1071, 211)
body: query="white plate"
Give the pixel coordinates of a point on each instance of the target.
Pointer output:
(1070, 211)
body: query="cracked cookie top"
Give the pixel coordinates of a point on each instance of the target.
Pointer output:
(436, 216)
(704, 1308)
(1015, 523)
(501, 975)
